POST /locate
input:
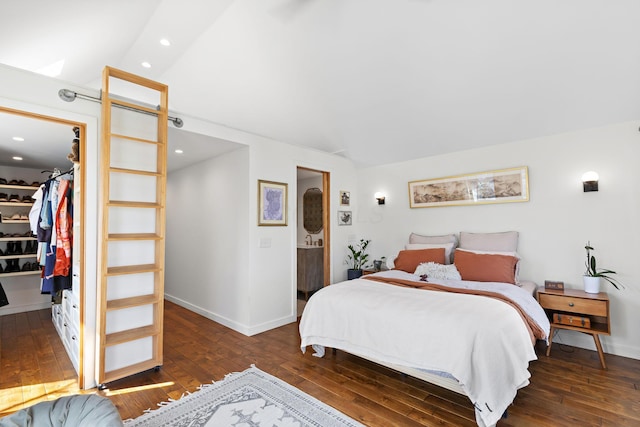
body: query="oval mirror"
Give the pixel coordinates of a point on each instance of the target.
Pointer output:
(312, 210)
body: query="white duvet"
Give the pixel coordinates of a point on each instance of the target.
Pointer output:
(481, 341)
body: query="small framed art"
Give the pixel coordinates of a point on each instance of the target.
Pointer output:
(345, 198)
(272, 203)
(344, 217)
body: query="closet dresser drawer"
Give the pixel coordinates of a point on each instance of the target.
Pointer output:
(70, 307)
(56, 317)
(71, 325)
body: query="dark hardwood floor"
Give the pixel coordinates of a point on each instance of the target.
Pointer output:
(567, 389)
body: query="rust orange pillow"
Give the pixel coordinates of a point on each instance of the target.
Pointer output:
(408, 260)
(486, 267)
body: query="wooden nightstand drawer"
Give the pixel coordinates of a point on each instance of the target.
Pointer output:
(570, 304)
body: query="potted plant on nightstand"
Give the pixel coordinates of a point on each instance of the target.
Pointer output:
(357, 258)
(592, 277)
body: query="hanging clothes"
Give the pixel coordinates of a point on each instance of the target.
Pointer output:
(55, 234)
(64, 229)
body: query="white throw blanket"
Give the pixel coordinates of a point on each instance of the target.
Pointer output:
(481, 341)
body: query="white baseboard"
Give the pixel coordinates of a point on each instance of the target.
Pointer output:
(22, 308)
(238, 327)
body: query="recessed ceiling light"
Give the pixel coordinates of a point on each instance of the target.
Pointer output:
(18, 138)
(165, 42)
(17, 158)
(145, 64)
(179, 151)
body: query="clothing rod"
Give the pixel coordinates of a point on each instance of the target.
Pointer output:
(69, 95)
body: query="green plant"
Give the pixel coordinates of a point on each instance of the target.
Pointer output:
(594, 272)
(358, 256)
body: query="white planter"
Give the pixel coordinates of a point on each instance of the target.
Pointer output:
(591, 284)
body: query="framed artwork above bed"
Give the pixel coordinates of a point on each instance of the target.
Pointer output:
(498, 186)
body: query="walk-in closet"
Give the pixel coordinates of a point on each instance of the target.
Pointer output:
(40, 261)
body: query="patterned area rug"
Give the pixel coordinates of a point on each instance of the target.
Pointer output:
(251, 398)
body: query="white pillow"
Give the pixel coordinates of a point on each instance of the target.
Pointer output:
(448, 248)
(438, 271)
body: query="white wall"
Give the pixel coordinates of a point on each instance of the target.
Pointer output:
(261, 289)
(554, 225)
(206, 247)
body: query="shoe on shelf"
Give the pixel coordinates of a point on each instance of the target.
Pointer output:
(24, 217)
(1, 269)
(22, 182)
(35, 184)
(14, 198)
(4, 197)
(3, 181)
(12, 265)
(15, 217)
(13, 182)
(27, 199)
(26, 266)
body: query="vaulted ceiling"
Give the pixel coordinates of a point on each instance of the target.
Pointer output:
(377, 81)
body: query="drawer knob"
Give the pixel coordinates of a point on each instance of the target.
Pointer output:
(570, 304)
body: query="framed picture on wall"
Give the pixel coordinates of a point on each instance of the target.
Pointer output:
(345, 198)
(499, 186)
(272, 203)
(344, 217)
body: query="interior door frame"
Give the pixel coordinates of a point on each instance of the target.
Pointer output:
(326, 222)
(79, 239)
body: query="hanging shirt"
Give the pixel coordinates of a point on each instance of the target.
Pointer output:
(64, 231)
(34, 213)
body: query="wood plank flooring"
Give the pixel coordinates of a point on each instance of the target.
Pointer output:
(567, 389)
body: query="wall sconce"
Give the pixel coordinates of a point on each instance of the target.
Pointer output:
(379, 197)
(590, 181)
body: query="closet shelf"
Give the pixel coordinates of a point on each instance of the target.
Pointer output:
(20, 273)
(15, 239)
(18, 187)
(15, 204)
(134, 171)
(130, 335)
(137, 301)
(125, 204)
(133, 236)
(132, 269)
(19, 256)
(15, 221)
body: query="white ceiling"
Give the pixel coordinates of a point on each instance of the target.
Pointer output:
(377, 81)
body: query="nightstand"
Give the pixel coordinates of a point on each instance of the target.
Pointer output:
(577, 310)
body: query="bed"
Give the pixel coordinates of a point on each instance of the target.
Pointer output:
(474, 337)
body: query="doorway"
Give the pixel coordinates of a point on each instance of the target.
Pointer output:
(312, 233)
(33, 148)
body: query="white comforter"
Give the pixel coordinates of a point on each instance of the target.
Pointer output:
(481, 341)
